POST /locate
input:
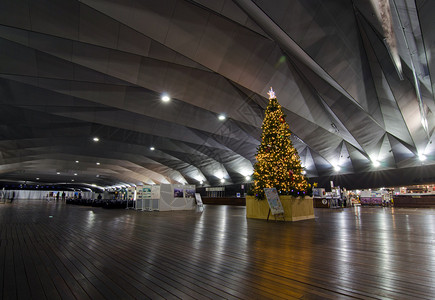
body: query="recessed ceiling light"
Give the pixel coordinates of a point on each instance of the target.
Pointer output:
(376, 164)
(75, 174)
(57, 173)
(152, 148)
(422, 157)
(77, 161)
(37, 178)
(96, 139)
(201, 182)
(337, 168)
(72, 179)
(222, 180)
(165, 98)
(98, 163)
(248, 178)
(97, 175)
(222, 117)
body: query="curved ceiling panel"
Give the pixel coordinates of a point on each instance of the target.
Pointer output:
(71, 71)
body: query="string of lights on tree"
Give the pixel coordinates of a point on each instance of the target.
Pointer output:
(278, 164)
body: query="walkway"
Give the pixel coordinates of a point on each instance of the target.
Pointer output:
(53, 250)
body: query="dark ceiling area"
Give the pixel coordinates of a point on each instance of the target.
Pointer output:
(353, 77)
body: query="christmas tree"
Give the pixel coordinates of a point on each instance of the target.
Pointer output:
(278, 164)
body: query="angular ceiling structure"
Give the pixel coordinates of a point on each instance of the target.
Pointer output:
(354, 78)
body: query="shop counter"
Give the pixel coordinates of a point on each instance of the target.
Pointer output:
(414, 200)
(321, 202)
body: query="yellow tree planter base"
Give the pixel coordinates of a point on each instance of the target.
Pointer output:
(295, 208)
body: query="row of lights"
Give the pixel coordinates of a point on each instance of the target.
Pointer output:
(377, 164)
(97, 163)
(96, 139)
(75, 174)
(222, 117)
(165, 98)
(222, 180)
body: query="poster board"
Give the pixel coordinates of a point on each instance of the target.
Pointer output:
(130, 192)
(146, 192)
(155, 192)
(198, 199)
(139, 200)
(139, 192)
(178, 191)
(189, 191)
(199, 202)
(274, 202)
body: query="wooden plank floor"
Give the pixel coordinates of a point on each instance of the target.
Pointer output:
(58, 251)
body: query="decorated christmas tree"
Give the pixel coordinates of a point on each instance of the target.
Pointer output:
(278, 164)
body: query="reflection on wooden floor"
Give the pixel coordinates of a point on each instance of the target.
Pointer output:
(53, 250)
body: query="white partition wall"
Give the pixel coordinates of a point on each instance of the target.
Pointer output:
(175, 197)
(155, 198)
(41, 194)
(151, 197)
(131, 191)
(166, 197)
(139, 194)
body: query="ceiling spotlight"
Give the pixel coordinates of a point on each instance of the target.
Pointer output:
(222, 180)
(57, 173)
(37, 178)
(72, 179)
(77, 161)
(376, 163)
(201, 182)
(165, 98)
(152, 148)
(222, 117)
(98, 163)
(96, 139)
(422, 157)
(337, 168)
(75, 174)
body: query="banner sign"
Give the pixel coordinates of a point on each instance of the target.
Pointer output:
(189, 191)
(273, 200)
(198, 199)
(146, 192)
(155, 192)
(130, 192)
(139, 192)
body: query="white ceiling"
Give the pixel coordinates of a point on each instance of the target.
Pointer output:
(354, 78)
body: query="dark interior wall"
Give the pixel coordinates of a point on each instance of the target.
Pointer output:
(230, 190)
(377, 179)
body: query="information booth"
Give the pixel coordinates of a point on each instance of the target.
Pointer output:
(323, 199)
(319, 198)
